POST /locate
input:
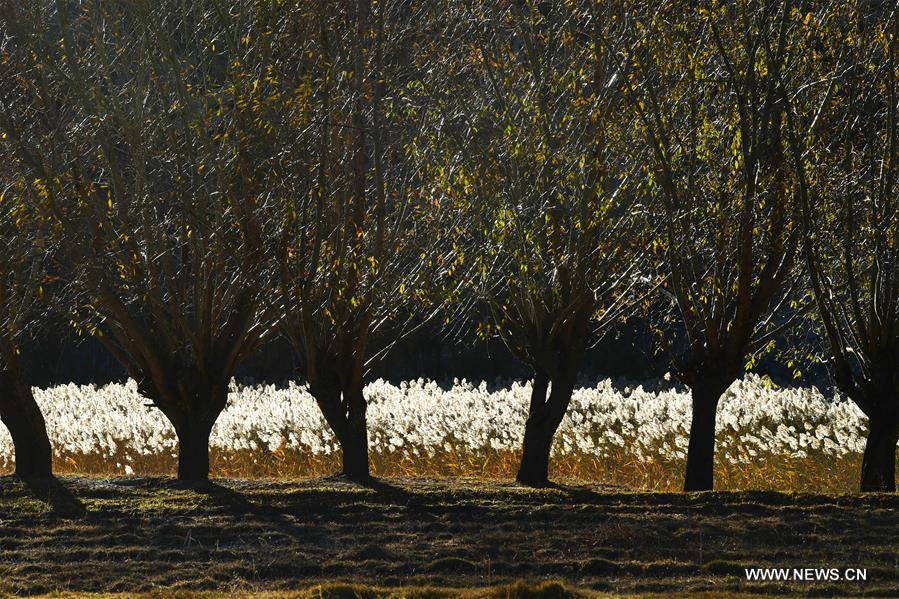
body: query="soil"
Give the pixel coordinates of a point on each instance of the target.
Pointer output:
(80, 534)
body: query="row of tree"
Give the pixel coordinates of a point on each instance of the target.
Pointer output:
(186, 180)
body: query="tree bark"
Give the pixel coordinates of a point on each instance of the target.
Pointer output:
(22, 416)
(355, 455)
(346, 414)
(544, 419)
(355, 440)
(701, 450)
(879, 461)
(192, 403)
(193, 449)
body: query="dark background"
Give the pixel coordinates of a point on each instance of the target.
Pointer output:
(58, 358)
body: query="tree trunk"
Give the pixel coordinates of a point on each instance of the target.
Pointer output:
(701, 451)
(192, 404)
(879, 462)
(355, 440)
(355, 455)
(543, 421)
(345, 413)
(534, 468)
(193, 450)
(22, 416)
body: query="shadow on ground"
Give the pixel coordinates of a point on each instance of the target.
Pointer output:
(60, 501)
(82, 534)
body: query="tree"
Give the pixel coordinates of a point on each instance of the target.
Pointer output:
(709, 97)
(849, 176)
(23, 256)
(362, 249)
(542, 170)
(141, 127)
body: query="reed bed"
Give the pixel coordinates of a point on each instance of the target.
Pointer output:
(616, 433)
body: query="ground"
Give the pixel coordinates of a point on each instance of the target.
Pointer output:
(146, 535)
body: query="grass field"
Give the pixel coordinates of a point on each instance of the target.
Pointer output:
(517, 590)
(615, 433)
(443, 538)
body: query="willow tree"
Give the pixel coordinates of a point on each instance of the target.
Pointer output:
(361, 247)
(849, 184)
(139, 126)
(542, 173)
(23, 258)
(708, 95)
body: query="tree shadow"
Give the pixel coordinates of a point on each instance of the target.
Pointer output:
(61, 501)
(223, 497)
(618, 494)
(388, 492)
(236, 504)
(383, 488)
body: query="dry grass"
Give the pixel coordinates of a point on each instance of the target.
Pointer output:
(817, 473)
(158, 537)
(789, 440)
(336, 590)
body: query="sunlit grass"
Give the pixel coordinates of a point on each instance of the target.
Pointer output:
(812, 474)
(615, 433)
(519, 590)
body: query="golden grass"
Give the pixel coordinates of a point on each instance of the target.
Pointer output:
(518, 590)
(814, 474)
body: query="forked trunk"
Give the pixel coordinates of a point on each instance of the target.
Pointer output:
(345, 413)
(192, 405)
(879, 461)
(22, 416)
(701, 450)
(543, 421)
